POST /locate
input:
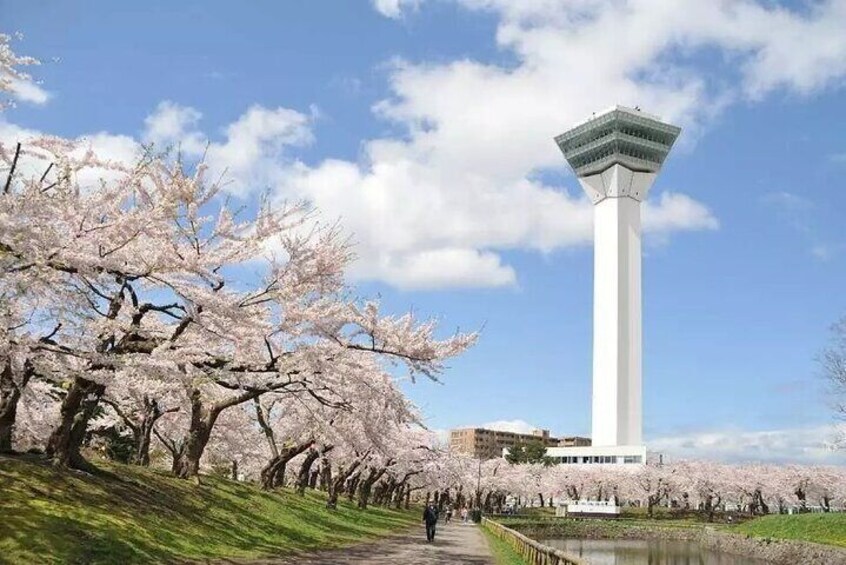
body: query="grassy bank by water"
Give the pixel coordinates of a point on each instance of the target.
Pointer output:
(591, 528)
(133, 515)
(502, 552)
(827, 528)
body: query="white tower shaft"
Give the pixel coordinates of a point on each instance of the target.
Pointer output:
(617, 323)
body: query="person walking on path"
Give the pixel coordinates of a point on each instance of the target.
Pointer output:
(430, 518)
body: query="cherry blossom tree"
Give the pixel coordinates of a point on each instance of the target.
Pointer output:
(153, 259)
(135, 401)
(11, 68)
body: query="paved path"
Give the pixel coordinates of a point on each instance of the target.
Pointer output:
(455, 543)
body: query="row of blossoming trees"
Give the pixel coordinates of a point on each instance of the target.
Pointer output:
(138, 308)
(702, 486)
(135, 300)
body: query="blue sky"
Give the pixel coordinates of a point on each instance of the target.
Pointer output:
(427, 126)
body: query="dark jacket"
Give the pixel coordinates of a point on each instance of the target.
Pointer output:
(430, 516)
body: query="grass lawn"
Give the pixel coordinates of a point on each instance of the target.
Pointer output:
(502, 552)
(133, 515)
(828, 528)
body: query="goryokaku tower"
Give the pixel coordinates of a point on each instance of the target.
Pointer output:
(617, 154)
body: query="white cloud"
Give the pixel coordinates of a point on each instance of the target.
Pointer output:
(172, 124)
(814, 445)
(28, 91)
(394, 9)
(803, 49)
(254, 151)
(252, 154)
(436, 269)
(676, 212)
(513, 426)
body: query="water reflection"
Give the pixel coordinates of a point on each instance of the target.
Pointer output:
(647, 552)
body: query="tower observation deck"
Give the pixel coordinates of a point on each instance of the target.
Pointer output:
(616, 155)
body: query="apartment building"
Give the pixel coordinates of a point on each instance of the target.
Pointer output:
(486, 444)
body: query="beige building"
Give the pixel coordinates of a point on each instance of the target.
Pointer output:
(486, 444)
(574, 441)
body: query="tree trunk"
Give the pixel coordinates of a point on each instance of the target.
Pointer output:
(651, 501)
(388, 493)
(712, 502)
(10, 394)
(273, 474)
(760, 503)
(142, 431)
(399, 494)
(78, 406)
(8, 413)
(352, 486)
(305, 470)
(336, 485)
(325, 479)
(487, 505)
(800, 495)
(379, 491)
(366, 486)
(187, 464)
(141, 453)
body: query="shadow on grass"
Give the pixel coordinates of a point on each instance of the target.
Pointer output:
(130, 514)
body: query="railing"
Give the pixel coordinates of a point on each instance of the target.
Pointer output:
(533, 552)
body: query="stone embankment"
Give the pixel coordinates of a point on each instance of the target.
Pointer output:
(779, 552)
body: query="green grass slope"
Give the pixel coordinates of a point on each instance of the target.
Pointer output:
(502, 552)
(133, 515)
(828, 528)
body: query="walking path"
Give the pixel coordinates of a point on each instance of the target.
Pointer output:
(455, 543)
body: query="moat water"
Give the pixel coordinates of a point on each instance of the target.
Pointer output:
(647, 552)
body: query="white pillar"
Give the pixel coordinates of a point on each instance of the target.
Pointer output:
(617, 322)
